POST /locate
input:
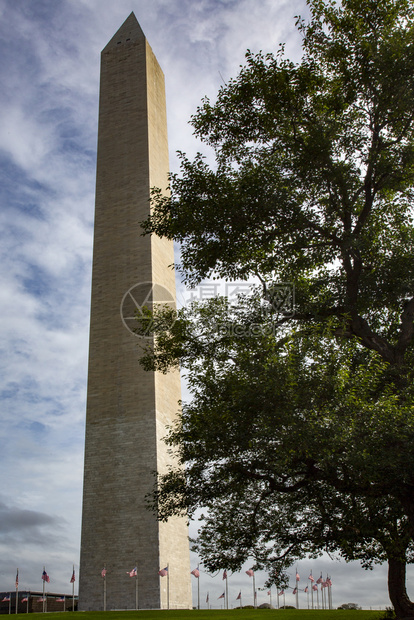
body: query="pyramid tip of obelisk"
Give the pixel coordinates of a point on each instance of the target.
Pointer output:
(129, 31)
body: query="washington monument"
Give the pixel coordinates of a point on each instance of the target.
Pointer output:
(128, 409)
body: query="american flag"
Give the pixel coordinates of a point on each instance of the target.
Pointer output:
(315, 587)
(163, 572)
(328, 581)
(24, 600)
(207, 597)
(17, 578)
(311, 578)
(45, 577)
(268, 593)
(196, 573)
(297, 577)
(320, 580)
(239, 597)
(222, 595)
(225, 574)
(294, 590)
(72, 579)
(250, 572)
(6, 599)
(306, 589)
(41, 599)
(61, 599)
(103, 572)
(133, 572)
(281, 592)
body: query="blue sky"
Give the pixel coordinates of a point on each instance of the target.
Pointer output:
(49, 81)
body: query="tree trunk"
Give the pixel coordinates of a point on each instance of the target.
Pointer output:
(403, 607)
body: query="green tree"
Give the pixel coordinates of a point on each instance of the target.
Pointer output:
(292, 445)
(312, 184)
(313, 179)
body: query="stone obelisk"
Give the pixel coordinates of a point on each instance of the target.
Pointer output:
(128, 408)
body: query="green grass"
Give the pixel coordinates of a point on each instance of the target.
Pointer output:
(213, 614)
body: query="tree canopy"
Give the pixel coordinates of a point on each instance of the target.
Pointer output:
(291, 444)
(313, 177)
(300, 432)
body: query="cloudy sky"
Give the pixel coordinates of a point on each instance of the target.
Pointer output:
(49, 78)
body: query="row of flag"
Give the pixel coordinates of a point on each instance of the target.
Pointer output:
(6, 599)
(134, 572)
(196, 572)
(43, 599)
(280, 593)
(45, 577)
(323, 583)
(163, 572)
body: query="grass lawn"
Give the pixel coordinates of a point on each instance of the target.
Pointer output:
(213, 614)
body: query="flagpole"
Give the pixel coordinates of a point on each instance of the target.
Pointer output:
(9, 603)
(104, 588)
(136, 585)
(330, 593)
(198, 587)
(17, 589)
(168, 586)
(277, 596)
(311, 581)
(43, 602)
(254, 592)
(73, 589)
(297, 594)
(227, 592)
